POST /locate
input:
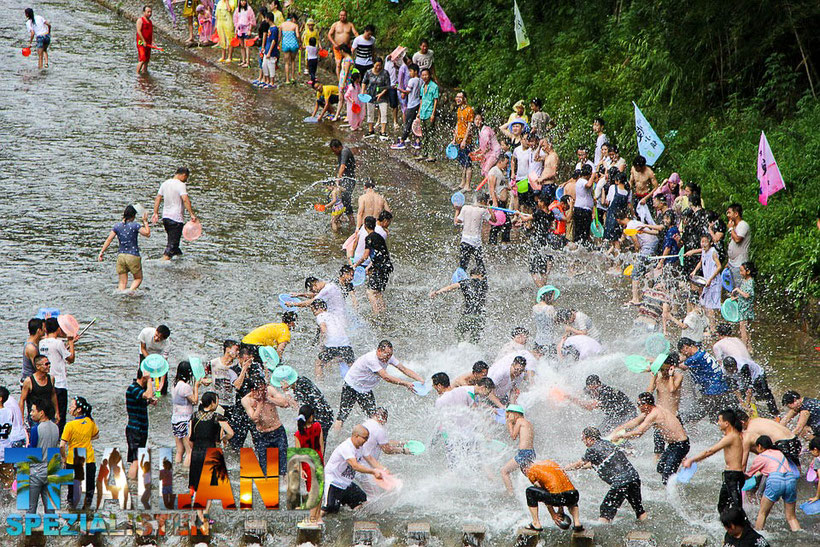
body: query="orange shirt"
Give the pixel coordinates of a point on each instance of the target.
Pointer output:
(548, 475)
(465, 115)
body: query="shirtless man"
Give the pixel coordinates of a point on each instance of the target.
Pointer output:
(642, 181)
(732, 446)
(782, 437)
(340, 33)
(550, 171)
(666, 384)
(260, 405)
(371, 204)
(519, 428)
(667, 425)
(471, 378)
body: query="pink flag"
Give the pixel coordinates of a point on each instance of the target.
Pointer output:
(444, 21)
(767, 172)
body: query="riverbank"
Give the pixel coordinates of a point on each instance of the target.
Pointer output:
(299, 95)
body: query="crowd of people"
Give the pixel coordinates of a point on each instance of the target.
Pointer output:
(684, 262)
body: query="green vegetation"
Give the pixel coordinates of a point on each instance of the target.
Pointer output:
(708, 75)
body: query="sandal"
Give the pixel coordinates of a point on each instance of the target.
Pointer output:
(532, 528)
(578, 529)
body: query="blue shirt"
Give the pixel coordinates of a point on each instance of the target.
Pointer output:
(137, 408)
(669, 241)
(127, 233)
(706, 373)
(429, 93)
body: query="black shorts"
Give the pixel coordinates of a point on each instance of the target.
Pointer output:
(539, 260)
(378, 278)
(352, 496)
(392, 98)
(136, 440)
(345, 353)
(334, 99)
(562, 499)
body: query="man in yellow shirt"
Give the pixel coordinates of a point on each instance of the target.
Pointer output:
(326, 95)
(273, 334)
(78, 433)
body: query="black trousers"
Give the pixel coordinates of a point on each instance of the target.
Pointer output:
(617, 494)
(731, 491)
(62, 404)
(173, 230)
(312, 64)
(583, 219)
(762, 394)
(366, 401)
(503, 229)
(90, 483)
(409, 117)
(465, 251)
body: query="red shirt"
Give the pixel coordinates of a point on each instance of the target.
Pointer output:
(311, 438)
(147, 31)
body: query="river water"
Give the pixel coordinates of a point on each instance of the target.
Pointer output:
(87, 137)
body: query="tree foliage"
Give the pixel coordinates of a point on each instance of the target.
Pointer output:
(708, 75)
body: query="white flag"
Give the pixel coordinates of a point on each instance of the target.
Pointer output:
(520, 32)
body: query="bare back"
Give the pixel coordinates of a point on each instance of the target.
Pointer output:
(371, 204)
(764, 426)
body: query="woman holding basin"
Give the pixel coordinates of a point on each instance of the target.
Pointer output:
(127, 231)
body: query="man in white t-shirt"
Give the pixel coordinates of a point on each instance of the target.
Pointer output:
(334, 343)
(155, 340)
(223, 376)
(363, 47)
(508, 378)
(646, 241)
(175, 194)
(365, 374)
(579, 347)
(330, 293)
(53, 347)
(577, 323)
(740, 238)
(377, 443)
(340, 470)
(472, 219)
(424, 58)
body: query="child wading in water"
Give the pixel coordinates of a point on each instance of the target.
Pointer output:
(334, 205)
(309, 435)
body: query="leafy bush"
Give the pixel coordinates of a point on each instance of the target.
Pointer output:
(708, 75)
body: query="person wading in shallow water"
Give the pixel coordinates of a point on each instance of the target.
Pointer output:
(145, 39)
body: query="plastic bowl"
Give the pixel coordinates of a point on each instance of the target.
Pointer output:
(656, 344)
(451, 151)
(422, 389)
(498, 218)
(269, 356)
(359, 275)
(154, 365)
(69, 325)
(730, 311)
(459, 275)
(457, 199)
(414, 447)
(365, 98)
(685, 473)
(636, 363)
(192, 230)
(197, 367)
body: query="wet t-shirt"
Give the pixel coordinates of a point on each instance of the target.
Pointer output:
(379, 255)
(475, 295)
(337, 471)
(127, 233)
(614, 402)
(610, 464)
(306, 393)
(707, 374)
(541, 223)
(812, 406)
(749, 538)
(347, 159)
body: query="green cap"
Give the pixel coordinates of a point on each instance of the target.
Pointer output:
(283, 373)
(515, 408)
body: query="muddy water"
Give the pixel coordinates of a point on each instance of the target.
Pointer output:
(86, 137)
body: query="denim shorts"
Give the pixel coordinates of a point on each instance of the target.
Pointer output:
(464, 156)
(43, 41)
(781, 485)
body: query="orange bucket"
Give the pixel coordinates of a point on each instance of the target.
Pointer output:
(235, 42)
(323, 53)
